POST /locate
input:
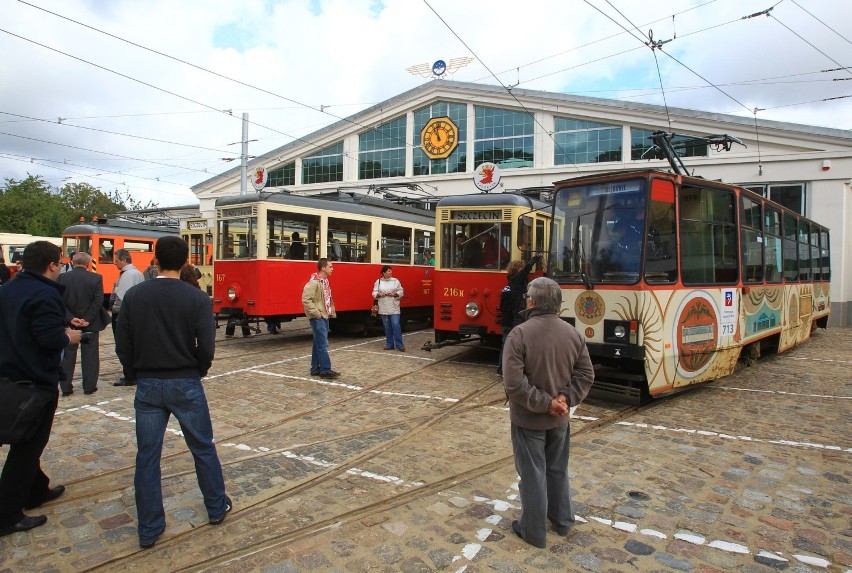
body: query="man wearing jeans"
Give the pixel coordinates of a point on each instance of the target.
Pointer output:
(546, 371)
(165, 337)
(319, 307)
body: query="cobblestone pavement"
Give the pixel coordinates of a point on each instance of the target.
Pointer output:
(404, 464)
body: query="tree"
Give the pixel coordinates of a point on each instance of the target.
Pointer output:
(83, 200)
(29, 206)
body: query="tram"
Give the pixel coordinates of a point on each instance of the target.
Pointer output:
(672, 278)
(101, 238)
(478, 236)
(12, 245)
(268, 245)
(198, 234)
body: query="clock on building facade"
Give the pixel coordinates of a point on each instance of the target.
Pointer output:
(439, 137)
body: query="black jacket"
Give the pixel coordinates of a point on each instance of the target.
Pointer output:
(32, 329)
(165, 330)
(84, 297)
(512, 296)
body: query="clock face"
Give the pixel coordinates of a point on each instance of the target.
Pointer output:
(439, 137)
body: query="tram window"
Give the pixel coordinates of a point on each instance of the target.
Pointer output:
(804, 252)
(69, 246)
(423, 241)
(292, 235)
(751, 240)
(145, 246)
(791, 261)
(825, 258)
(353, 239)
(396, 244)
(772, 245)
(816, 274)
(660, 246)
(708, 236)
(495, 255)
(237, 238)
(106, 248)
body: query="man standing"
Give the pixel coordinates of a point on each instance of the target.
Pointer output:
(32, 336)
(84, 301)
(319, 307)
(165, 338)
(129, 276)
(546, 371)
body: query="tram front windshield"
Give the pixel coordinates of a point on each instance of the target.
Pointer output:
(598, 231)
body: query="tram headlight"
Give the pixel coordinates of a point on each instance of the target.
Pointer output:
(232, 293)
(619, 331)
(471, 309)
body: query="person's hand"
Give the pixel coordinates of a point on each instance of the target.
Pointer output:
(78, 322)
(73, 335)
(558, 406)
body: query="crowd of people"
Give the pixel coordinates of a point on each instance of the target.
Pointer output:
(164, 333)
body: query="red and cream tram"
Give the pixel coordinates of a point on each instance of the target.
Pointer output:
(674, 278)
(267, 247)
(478, 236)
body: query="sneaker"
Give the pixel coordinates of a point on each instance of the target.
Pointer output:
(330, 374)
(401, 348)
(218, 520)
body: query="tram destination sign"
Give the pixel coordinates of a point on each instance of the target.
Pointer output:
(238, 212)
(495, 215)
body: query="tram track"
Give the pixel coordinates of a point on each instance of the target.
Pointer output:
(268, 541)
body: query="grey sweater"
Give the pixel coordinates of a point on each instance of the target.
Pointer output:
(542, 358)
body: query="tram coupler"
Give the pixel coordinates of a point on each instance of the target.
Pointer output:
(429, 346)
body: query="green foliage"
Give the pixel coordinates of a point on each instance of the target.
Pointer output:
(32, 206)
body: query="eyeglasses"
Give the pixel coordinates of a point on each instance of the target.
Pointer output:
(526, 296)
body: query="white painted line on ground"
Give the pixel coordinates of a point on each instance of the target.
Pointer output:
(782, 392)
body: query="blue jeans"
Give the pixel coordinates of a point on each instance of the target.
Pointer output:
(393, 331)
(156, 400)
(541, 459)
(320, 360)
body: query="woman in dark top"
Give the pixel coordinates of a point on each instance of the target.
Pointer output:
(512, 300)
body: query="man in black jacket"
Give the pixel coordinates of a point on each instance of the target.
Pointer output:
(32, 336)
(84, 309)
(165, 337)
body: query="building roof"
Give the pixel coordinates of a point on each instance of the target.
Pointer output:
(465, 89)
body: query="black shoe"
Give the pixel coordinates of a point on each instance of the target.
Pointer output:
(516, 527)
(125, 382)
(563, 531)
(314, 373)
(51, 494)
(228, 506)
(150, 544)
(27, 523)
(68, 393)
(90, 392)
(330, 374)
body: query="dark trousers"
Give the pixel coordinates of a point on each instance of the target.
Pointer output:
(127, 372)
(22, 481)
(91, 364)
(541, 459)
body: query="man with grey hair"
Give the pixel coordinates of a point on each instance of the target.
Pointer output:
(129, 277)
(546, 371)
(84, 310)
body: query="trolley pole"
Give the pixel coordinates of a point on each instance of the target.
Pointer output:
(244, 156)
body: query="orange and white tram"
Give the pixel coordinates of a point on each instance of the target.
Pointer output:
(478, 236)
(101, 238)
(674, 278)
(268, 245)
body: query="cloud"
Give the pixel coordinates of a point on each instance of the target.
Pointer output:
(345, 55)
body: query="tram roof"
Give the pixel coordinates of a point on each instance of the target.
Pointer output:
(342, 202)
(123, 228)
(490, 200)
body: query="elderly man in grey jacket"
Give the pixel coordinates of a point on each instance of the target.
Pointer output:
(546, 371)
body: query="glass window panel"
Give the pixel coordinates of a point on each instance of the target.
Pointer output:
(237, 238)
(282, 176)
(324, 166)
(352, 237)
(396, 245)
(457, 160)
(579, 141)
(708, 236)
(503, 137)
(106, 248)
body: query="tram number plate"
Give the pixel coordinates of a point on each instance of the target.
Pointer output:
(727, 330)
(449, 291)
(220, 277)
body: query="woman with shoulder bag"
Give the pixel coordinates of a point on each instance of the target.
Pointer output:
(388, 291)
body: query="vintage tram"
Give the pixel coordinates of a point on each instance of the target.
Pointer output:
(673, 278)
(101, 238)
(198, 234)
(268, 245)
(478, 235)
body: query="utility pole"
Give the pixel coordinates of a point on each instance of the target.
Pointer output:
(244, 156)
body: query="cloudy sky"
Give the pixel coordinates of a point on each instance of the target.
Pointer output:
(145, 96)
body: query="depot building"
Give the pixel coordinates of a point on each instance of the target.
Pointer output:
(430, 141)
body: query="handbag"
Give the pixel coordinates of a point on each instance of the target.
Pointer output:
(21, 404)
(374, 310)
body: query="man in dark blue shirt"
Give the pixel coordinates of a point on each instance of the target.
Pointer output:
(33, 334)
